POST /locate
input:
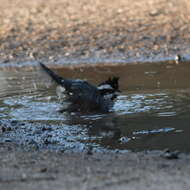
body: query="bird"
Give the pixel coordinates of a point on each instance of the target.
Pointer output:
(86, 97)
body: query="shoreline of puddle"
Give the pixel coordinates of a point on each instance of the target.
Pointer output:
(81, 62)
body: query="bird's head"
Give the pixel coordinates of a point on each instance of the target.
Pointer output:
(109, 87)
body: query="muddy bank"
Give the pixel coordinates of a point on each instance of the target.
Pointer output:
(46, 170)
(122, 29)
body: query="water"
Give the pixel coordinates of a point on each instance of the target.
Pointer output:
(151, 113)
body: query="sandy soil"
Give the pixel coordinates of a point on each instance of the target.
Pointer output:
(55, 29)
(127, 29)
(50, 170)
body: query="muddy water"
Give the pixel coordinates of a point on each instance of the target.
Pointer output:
(151, 113)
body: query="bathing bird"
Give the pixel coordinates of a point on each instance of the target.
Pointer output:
(86, 97)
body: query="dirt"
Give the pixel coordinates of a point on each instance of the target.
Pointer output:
(123, 29)
(22, 169)
(59, 29)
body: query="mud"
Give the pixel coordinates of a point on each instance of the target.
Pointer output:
(47, 170)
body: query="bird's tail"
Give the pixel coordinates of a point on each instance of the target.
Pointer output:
(53, 75)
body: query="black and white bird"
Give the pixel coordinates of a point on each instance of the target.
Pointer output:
(85, 97)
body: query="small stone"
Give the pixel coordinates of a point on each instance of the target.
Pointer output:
(43, 170)
(171, 155)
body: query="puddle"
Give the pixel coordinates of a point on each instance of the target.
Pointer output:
(152, 112)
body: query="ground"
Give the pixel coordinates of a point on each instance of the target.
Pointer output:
(50, 170)
(60, 29)
(123, 29)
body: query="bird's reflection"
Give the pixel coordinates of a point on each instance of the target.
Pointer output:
(104, 126)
